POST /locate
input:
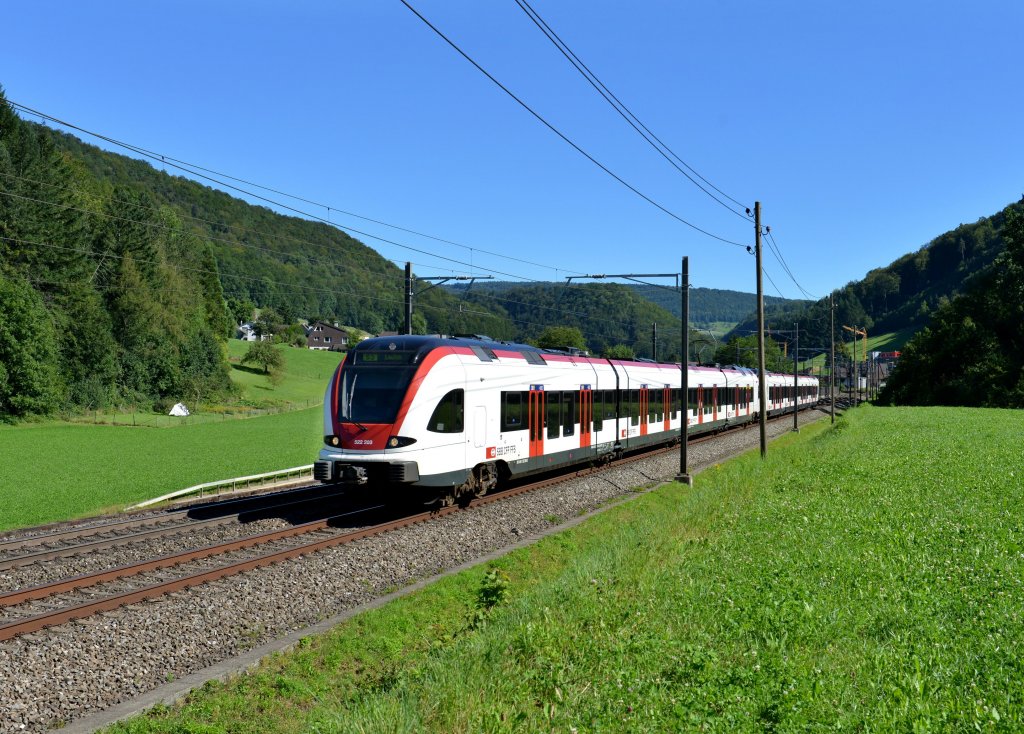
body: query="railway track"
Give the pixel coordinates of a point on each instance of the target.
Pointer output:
(74, 541)
(34, 608)
(28, 610)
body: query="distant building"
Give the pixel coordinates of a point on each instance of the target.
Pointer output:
(325, 337)
(247, 333)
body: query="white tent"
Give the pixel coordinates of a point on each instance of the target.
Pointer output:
(179, 409)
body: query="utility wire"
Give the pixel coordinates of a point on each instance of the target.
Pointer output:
(183, 269)
(194, 168)
(300, 212)
(397, 278)
(625, 112)
(562, 135)
(778, 254)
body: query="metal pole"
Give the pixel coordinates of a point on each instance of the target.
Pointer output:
(408, 298)
(832, 371)
(856, 371)
(796, 372)
(683, 476)
(762, 387)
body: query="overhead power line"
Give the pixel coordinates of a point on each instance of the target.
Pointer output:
(777, 252)
(396, 277)
(653, 140)
(200, 171)
(562, 135)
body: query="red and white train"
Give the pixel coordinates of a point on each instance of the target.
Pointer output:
(456, 415)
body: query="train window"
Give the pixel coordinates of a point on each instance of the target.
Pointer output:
(634, 407)
(448, 415)
(709, 400)
(609, 404)
(513, 411)
(569, 410)
(598, 409)
(691, 400)
(656, 406)
(554, 412)
(674, 398)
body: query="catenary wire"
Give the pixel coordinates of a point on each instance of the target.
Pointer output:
(624, 111)
(396, 277)
(194, 168)
(562, 135)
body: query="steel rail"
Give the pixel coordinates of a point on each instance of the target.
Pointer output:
(61, 616)
(122, 540)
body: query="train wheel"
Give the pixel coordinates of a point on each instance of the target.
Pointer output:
(485, 478)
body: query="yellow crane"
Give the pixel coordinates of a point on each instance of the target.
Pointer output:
(863, 333)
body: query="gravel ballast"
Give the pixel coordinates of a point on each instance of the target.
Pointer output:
(56, 676)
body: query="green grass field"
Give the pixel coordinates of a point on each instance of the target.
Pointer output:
(299, 384)
(892, 341)
(303, 381)
(54, 472)
(865, 578)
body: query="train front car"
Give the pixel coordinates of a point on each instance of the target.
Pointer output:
(366, 405)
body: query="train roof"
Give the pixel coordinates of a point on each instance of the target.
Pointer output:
(421, 344)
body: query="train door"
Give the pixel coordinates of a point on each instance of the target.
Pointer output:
(666, 401)
(645, 400)
(714, 403)
(700, 404)
(586, 415)
(535, 418)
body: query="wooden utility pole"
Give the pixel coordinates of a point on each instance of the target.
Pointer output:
(762, 386)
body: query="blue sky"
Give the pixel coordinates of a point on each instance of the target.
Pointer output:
(865, 129)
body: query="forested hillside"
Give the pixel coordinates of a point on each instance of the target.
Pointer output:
(972, 352)
(607, 314)
(711, 305)
(903, 294)
(298, 267)
(123, 305)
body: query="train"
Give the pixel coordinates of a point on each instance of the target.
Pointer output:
(452, 417)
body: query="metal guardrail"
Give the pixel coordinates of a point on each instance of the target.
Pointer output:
(234, 483)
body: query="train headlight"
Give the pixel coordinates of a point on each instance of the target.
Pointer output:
(332, 440)
(396, 442)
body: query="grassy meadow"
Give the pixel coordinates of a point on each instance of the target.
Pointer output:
(60, 471)
(57, 470)
(864, 577)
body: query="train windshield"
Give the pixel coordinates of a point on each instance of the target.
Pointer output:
(372, 393)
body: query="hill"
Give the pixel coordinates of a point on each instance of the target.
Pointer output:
(296, 266)
(711, 305)
(607, 314)
(902, 296)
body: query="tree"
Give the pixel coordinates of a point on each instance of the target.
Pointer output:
(241, 309)
(562, 337)
(30, 382)
(972, 353)
(265, 355)
(618, 351)
(267, 322)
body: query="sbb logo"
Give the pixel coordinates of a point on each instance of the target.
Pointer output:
(492, 452)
